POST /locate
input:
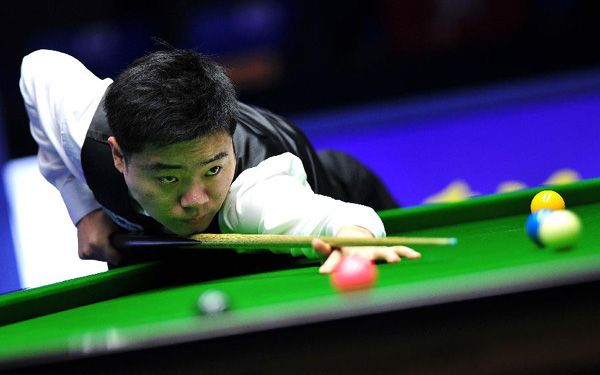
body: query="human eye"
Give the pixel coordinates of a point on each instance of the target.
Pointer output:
(167, 180)
(213, 171)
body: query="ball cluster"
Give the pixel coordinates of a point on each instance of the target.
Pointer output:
(550, 223)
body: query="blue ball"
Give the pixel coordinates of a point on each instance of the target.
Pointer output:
(532, 226)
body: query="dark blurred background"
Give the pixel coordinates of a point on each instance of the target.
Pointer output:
(306, 56)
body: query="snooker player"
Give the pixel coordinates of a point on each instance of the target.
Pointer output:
(167, 148)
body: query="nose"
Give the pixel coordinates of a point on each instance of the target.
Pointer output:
(194, 197)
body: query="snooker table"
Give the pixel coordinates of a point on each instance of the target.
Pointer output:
(493, 304)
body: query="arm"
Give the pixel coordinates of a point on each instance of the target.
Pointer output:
(274, 198)
(60, 97)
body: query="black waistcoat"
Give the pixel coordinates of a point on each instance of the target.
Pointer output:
(259, 135)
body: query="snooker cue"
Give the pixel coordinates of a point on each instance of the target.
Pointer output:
(265, 241)
(277, 241)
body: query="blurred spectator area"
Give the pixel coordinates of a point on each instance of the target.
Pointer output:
(305, 56)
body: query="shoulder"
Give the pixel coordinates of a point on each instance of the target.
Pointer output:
(249, 110)
(43, 62)
(252, 114)
(284, 165)
(48, 56)
(46, 67)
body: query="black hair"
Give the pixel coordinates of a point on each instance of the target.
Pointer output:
(168, 97)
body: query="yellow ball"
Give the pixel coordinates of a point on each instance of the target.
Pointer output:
(547, 199)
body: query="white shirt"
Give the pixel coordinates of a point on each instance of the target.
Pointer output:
(61, 96)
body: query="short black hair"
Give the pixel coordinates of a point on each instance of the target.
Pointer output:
(167, 97)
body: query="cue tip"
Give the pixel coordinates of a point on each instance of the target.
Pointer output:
(453, 241)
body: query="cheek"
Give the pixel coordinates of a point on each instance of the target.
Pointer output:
(148, 196)
(160, 206)
(226, 184)
(219, 190)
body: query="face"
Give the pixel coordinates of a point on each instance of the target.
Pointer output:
(183, 185)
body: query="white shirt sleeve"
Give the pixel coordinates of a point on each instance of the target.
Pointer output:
(275, 198)
(61, 96)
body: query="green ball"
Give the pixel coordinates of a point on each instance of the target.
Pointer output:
(560, 229)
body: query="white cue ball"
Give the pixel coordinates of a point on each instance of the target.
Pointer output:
(560, 229)
(213, 302)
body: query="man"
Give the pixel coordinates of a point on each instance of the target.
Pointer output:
(167, 148)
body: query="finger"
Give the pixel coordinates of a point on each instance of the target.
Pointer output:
(321, 247)
(406, 252)
(331, 263)
(95, 252)
(386, 253)
(111, 255)
(86, 252)
(91, 251)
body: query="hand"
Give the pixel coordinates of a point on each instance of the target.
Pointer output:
(93, 237)
(389, 254)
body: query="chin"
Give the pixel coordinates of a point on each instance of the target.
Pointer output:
(186, 231)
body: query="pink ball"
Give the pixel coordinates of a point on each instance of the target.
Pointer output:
(354, 273)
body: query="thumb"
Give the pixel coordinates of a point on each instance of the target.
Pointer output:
(111, 255)
(321, 247)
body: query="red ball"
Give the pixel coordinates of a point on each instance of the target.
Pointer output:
(354, 273)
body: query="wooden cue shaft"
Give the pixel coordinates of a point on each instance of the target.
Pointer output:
(266, 241)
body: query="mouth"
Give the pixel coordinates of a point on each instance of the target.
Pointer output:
(196, 220)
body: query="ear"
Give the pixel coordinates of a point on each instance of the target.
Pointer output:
(117, 154)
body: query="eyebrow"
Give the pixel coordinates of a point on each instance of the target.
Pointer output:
(160, 166)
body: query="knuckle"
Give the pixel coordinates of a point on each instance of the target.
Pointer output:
(87, 252)
(83, 254)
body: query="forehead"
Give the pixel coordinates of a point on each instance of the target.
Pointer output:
(185, 153)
